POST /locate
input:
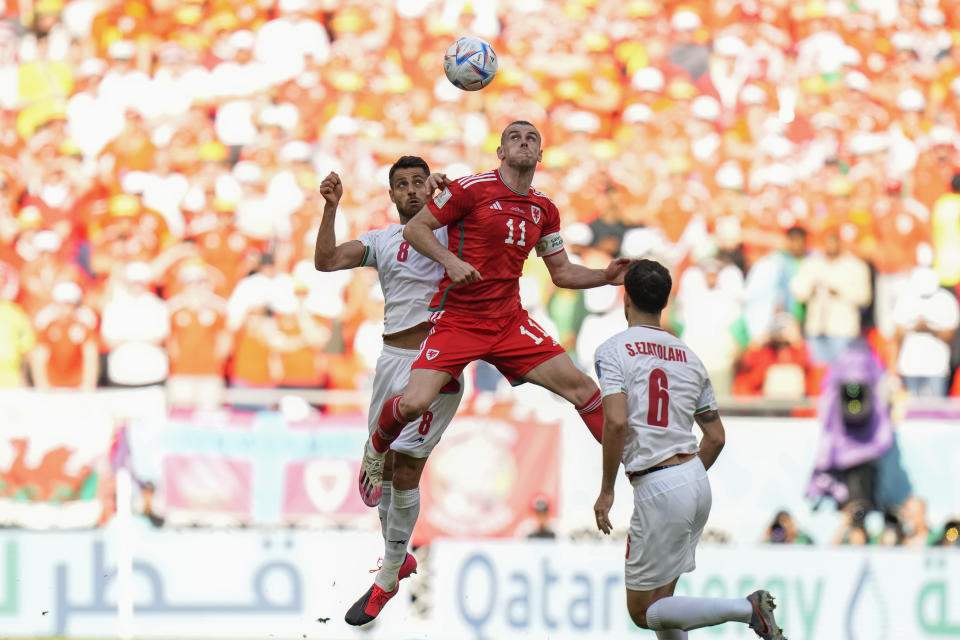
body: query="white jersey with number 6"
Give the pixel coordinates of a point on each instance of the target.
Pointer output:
(666, 385)
(407, 278)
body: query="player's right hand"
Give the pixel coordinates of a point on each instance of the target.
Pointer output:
(601, 511)
(462, 273)
(437, 181)
(331, 189)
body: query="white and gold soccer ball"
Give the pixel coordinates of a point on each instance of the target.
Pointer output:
(470, 64)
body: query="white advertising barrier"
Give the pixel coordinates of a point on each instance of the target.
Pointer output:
(537, 589)
(193, 584)
(765, 466)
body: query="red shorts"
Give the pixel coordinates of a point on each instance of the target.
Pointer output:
(513, 344)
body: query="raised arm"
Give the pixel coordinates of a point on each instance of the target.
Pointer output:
(327, 254)
(713, 436)
(419, 233)
(567, 275)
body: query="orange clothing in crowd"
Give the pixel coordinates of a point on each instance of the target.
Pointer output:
(132, 151)
(251, 355)
(65, 334)
(226, 249)
(300, 366)
(196, 330)
(38, 277)
(897, 237)
(931, 176)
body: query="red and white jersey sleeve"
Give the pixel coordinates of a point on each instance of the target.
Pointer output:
(666, 385)
(453, 203)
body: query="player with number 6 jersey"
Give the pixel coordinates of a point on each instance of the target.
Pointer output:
(494, 220)
(408, 280)
(654, 388)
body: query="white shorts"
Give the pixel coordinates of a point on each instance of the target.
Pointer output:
(670, 509)
(419, 437)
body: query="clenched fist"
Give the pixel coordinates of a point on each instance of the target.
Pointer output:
(331, 189)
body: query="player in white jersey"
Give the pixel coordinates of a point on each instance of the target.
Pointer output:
(408, 280)
(654, 388)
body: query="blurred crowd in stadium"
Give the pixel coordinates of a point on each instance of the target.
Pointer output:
(792, 162)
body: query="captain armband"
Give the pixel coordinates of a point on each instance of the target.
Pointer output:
(549, 244)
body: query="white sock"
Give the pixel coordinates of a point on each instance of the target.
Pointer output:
(402, 517)
(384, 507)
(677, 612)
(671, 634)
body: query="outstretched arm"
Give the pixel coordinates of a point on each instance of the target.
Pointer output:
(567, 275)
(419, 233)
(327, 255)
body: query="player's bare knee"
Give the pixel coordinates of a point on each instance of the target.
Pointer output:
(585, 390)
(414, 405)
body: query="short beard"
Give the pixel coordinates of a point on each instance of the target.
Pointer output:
(406, 216)
(522, 164)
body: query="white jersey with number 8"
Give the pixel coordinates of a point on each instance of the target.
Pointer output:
(407, 278)
(666, 385)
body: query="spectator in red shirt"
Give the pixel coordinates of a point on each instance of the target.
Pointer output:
(777, 366)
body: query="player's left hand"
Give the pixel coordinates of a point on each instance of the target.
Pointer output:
(616, 270)
(437, 181)
(601, 510)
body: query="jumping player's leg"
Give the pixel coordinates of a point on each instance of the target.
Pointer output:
(409, 452)
(422, 388)
(451, 345)
(561, 376)
(402, 517)
(526, 352)
(384, 507)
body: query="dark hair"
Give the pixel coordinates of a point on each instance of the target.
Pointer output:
(797, 231)
(955, 183)
(648, 284)
(409, 162)
(523, 122)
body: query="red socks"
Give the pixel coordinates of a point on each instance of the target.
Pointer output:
(592, 415)
(390, 424)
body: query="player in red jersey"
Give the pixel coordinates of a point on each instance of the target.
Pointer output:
(494, 219)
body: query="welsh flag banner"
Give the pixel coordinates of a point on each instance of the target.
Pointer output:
(54, 459)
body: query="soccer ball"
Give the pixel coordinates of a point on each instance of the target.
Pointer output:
(470, 64)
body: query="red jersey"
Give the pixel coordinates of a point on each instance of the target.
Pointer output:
(494, 229)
